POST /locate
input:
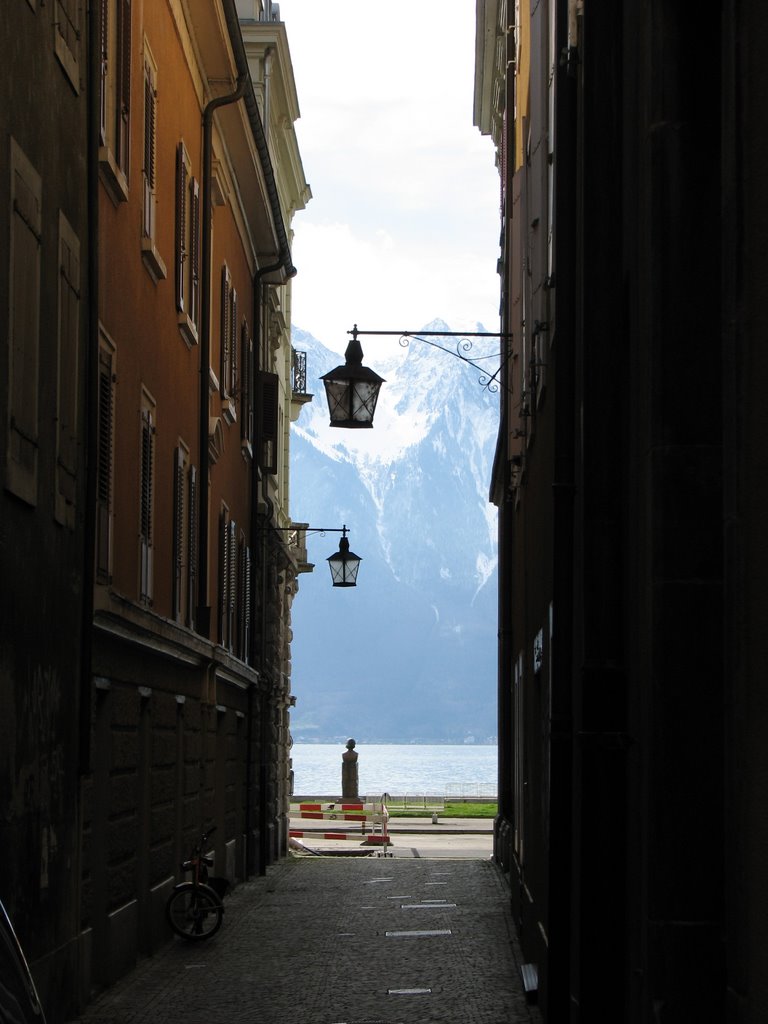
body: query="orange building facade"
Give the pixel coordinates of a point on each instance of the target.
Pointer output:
(195, 564)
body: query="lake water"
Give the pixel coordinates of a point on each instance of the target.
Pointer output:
(400, 770)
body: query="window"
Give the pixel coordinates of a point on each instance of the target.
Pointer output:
(269, 384)
(242, 645)
(519, 780)
(229, 342)
(553, 63)
(67, 40)
(180, 526)
(104, 460)
(539, 351)
(24, 326)
(192, 548)
(234, 350)
(68, 373)
(246, 388)
(184, 536)
(115, 96)
(150, 255)
(187, 246)
(150, 146)
(147, 499)
(228, 577)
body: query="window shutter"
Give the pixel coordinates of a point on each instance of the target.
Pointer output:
(147, 455)
(243, 600)
(104, 465)
(68, 28)
(149, 130)
(24, 334)
(68, 363)
(70, 331)
(123, 85)
(181, 224)
(223, 576)
(192, 550)
(269, 383)
(232, 585)
(246, 640)
(178, 531)
(104, 483)
(504, 157)
(146, 503)
(233, 342)
(194, 213)
(103, 46)
(149, 154)
(226, 311)
(246, 390)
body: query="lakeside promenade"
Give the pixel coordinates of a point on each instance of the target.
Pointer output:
(409, 837)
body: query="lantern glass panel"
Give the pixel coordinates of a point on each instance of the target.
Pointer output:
(352, 403)
(344, 569)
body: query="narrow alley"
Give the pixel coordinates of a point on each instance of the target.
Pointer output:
(341, 940)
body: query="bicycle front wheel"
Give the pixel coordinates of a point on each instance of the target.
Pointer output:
(194, 912)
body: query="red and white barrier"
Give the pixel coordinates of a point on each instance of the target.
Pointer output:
(376, 813)
(298, 834)
(341, 812)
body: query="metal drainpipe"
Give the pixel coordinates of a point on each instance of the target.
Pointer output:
(203, 618)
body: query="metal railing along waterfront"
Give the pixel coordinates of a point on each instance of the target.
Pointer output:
(476, 792)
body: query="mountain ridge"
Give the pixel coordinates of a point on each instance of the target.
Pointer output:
(417, 635)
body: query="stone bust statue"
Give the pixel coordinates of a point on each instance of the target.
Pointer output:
(349, 782)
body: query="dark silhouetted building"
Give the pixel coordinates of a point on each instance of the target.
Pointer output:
(631, 484)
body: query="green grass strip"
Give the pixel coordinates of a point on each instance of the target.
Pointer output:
(452, 810)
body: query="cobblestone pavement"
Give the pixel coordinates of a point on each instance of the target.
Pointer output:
(341, 940)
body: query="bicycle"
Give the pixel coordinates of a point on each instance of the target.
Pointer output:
(194, 910)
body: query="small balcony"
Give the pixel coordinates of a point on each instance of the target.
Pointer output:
(299, 395)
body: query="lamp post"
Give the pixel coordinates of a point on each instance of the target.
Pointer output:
(352, 389)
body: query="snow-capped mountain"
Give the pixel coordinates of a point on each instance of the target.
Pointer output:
(410, 653)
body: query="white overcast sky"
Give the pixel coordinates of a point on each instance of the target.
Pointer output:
(403, 226)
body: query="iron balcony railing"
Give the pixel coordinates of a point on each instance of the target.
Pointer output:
(299, 373)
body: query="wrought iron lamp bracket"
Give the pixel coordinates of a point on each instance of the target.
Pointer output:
(489, 381)
(344, 564)
(307, 530)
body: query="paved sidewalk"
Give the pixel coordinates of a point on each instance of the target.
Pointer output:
(470, 838)
(341, 940)
(444, 825)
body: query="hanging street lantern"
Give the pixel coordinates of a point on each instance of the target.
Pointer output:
(344, 564)
(352, 391)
